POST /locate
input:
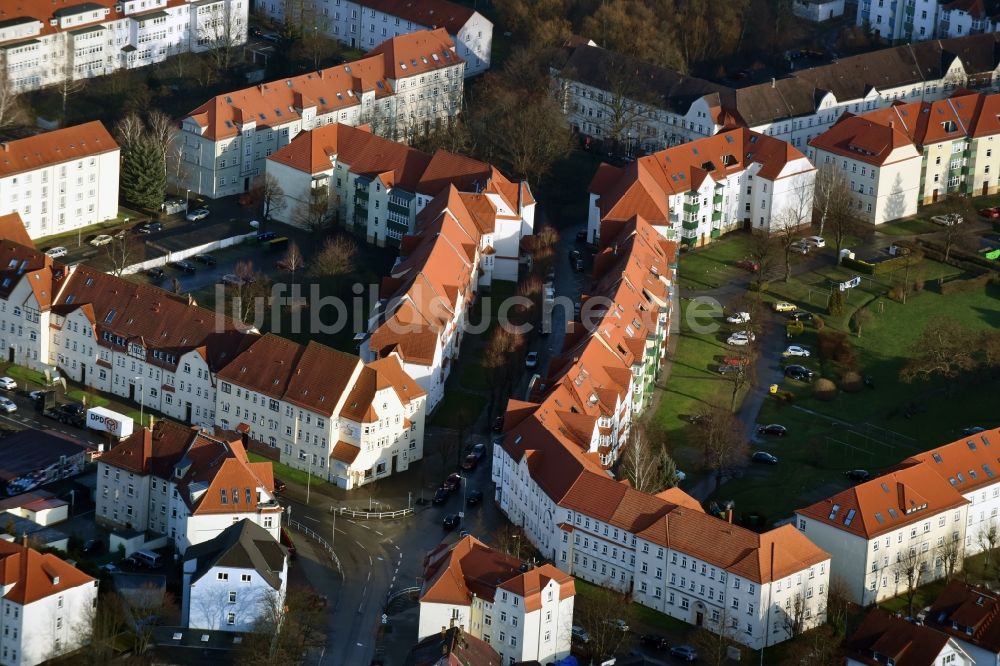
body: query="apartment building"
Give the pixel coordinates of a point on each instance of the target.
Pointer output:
(47, 606)
(651, 108)
(919, 20)
(968, 614)
(880, 163)
(377, 187)
(950, 151)
(885, 638)
(29, 284)
(407, 85)
(61, 180)
(525, 613)
(818, 10)
(236, 581)
(46, 43)
(366, 23)
(695, 192)
(186, 483)
(328, 413)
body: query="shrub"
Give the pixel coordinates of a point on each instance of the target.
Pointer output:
(851, 382)
(818, 322)
(830, 341)
(858, 265)
(971, 284)
(761, 286)
(896, 294)
(835, 305)
(794, 329)
(825, 389)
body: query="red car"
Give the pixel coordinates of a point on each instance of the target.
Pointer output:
(732, 360)
(991, 213)
(748, 265)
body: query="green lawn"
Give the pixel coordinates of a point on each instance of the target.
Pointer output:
(24, 375)
(289, 474)
(647, 618)
(914, 225)
(458, 409)
(819, 449)
(712, 266)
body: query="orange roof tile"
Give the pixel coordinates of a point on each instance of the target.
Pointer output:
(865, 140)
(33, 575)
(61, 145)
(345, 452)
(893, 638)
(968, 613)
(12, 228)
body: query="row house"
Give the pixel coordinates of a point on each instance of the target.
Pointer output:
(886, 638)
(362, 24)
(235, 582)
(609, 95)
(525, 613)
(326, 412)
(61, 180)
(185, 483)
(937, 508)
(662, 550)
(30, 281)
(142, 343)
(912, 154)
(695, 192)
(407, 85)
(48, 605)
(423, 301)
(45, 44)
(919, 20)
(377, 187)
(969, 615)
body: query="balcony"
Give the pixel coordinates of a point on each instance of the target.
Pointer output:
(361, 194)
(691, 207)
(717, 199)
(361, 203)
(716, 216)
(690, 225)
(716, 232)
(688, 240)
(397, 208)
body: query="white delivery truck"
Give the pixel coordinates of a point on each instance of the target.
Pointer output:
(115, 424)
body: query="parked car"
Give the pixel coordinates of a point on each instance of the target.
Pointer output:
(470, 462)
(73, 414)
(266, 236)
(450, 521)
(800, 246)
(796, 350)
(684, 653)
(574, 255)
(155, 272)
(197, 214)
(948, 220)
(255, 31)
(800, 373)
(474, 497)
(440, 496)
(479, 450)
(206, 259)
(100, 239)
(7, 405)
(618, 623)
(232, 279)
(775, 429)
(727, 369)
(148, 227)
(655, 642)
(93, 546)
(740, 339)
(991, 213)
(453, 482)
(279, 485)
(748, 265)
(531, 360)
(183, 266)
(579, 634)
(858, 475)
(738, 318)
(271, 37)
(735, 360)
(7, 384)
(764, 457)
(800, 315)
(816, 241)
(783, 306)
(35, 396)
(56, 252)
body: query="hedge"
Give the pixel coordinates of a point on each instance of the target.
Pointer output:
(858, 265)
(958, 286)
(882, 267)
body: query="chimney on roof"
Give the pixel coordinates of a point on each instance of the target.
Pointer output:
(729, 516)
(892, 124)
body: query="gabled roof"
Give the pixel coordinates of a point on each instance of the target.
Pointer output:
(242, 545)
(863, 139)
(34, 576)
(968, 613)
(966, 464)
(417, 52)
(12, 228)
(453, 647)
(886, 503)
(427, 13)
(883, 636)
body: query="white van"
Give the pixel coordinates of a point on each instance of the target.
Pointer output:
(148, 558)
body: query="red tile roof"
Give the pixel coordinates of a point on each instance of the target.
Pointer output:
(345, 452)
(865, 140)
(966, 464)
(55, 147)
(968, 613)
(12, 228)
(34, 576)
(427, 13)
(892, 637)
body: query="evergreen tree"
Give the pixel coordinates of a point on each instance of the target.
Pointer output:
(836, 303)
(143, 178)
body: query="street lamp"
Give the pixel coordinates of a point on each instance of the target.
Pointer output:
(142, 397)
(187, 200)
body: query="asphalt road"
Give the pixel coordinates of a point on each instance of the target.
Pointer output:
(27, 417)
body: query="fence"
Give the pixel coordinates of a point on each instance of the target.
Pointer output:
(177, 255)
(372, 515)
(318, 539)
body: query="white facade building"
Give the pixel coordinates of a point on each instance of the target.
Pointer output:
(236, 581)
(919, 20)
(818, 10)
(525, 614)
(367, 23)
(47, 606)
(407, 85)
(47, 43)
(61, 180)
(671, 108)
(184, 483)
(968, 614)
(886, 638)
(697, 191)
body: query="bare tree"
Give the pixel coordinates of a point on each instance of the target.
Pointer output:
(950, 553)
(818, 647)
(792, 220)
(123, 251)
(723, 443)
(144, 608)
(909, 567)
(11, 108)
(715, 640)
(645, 462)
(266, 196)
(248, 293)
(336, 258)
(842, 221)
(988, 537)
(315, 213)
(500, 358)
(831, 186)
(68, 85)
(129, 131)
(163, 133)
(838, 605)
(945, 349)
(293, 260)
(959, 234)
(597, 614)
(510, 540)
(762, 252)
(102, 624)
(286, 630)
(222, 33)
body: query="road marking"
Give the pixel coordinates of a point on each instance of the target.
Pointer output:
(362, 525)
(315, 520)
(378, 533)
